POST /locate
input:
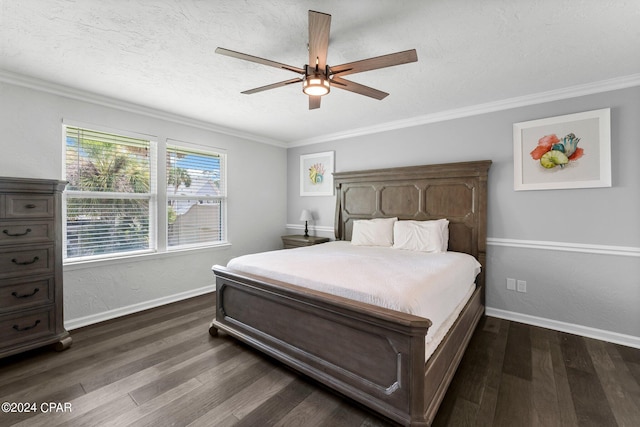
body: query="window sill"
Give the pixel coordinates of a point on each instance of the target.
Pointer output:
(127, 259)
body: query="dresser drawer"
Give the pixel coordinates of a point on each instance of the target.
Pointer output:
(16, 262)
(17, 294)
(28, 206)
(26, 326)
(16, 233)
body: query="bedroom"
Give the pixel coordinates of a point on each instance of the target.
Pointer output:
(578, 256)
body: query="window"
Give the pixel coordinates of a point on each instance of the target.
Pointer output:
(111, 201)
(196, 197)
(109, 196)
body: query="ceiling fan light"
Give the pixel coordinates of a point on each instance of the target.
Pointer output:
(316, 86)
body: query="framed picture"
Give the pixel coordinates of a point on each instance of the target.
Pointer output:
(571, 151)
(316, 174)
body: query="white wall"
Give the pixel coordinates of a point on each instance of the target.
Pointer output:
(555, 239)
(31, 146)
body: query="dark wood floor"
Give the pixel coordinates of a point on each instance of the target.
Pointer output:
(162, 368)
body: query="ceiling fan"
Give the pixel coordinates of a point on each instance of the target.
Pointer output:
(317, 76)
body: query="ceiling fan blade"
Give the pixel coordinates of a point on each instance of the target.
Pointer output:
(272, 86)
(319, 25)
(234, 54)
(374, 63)
(314, 102)
(357, 88)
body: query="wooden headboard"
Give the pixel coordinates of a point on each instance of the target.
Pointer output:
(455, 191)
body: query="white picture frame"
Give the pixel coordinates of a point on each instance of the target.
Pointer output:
(316, 174)
(583, 141)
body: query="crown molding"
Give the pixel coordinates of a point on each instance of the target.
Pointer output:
(489, 107)
(105, 101)
(473, 110)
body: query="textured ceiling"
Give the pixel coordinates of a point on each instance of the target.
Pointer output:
(160, 54)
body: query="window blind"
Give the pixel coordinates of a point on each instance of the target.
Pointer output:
(196, 197)
(109, 196)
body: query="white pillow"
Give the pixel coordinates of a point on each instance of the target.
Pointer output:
(421, 236)
(373, 232)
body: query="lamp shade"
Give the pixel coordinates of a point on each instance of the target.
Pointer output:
(306, 215)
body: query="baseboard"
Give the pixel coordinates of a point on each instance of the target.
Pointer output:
(130, 309)
(585, 331)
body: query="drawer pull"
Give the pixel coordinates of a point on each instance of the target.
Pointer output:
(30, 206)
(16, 234)
(15, 261)
(26, 328)
(35, 291)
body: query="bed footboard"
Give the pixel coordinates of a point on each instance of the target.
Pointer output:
(374, 356)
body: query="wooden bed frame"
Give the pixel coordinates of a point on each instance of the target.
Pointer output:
(370, 354)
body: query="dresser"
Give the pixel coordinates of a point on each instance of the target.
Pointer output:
(31, 265)
(296, 241)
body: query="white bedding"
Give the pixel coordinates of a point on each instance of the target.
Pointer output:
(431, 285)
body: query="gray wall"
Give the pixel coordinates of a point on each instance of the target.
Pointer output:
(577, 249)
(31, 146)
(553, 239)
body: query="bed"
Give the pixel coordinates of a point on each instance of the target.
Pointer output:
(371, 354)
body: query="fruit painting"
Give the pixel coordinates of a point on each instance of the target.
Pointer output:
(570, 151)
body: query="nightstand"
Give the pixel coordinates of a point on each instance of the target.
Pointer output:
(296, 241)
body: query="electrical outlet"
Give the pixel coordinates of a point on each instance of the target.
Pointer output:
(511, 284)
(522, 286)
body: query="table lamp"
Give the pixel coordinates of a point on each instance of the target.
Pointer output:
(306, 216)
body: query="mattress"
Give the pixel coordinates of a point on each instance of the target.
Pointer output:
(431, 285)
